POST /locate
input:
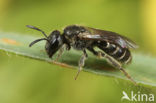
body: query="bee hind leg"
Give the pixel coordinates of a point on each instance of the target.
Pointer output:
(112, 61)
(118, 65)
(81, 62)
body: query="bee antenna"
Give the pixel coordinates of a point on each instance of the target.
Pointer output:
(32, 43)
(33, 27)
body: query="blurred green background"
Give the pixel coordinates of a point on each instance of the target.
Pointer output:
(23, 80)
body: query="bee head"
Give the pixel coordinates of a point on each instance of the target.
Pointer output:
(54, 41)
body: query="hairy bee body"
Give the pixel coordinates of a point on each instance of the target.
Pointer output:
(113, 47)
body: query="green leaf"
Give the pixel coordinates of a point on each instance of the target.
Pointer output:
(142, 69)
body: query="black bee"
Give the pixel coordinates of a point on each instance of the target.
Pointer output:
(114, 47)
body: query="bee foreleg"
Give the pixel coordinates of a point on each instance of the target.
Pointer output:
(60, 52)
(81, 63)
(68, 47)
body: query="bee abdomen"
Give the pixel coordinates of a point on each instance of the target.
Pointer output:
(127, 57)
(122, 55)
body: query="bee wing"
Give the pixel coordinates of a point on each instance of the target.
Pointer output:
(130, 43)
(112, 37)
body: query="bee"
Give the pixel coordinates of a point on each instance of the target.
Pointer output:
(113, 47)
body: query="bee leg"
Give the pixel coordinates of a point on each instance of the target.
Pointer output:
(97, 53)
(68, 47)
(81, 62)
(118, 65)
(113, 62)
(60, 52)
